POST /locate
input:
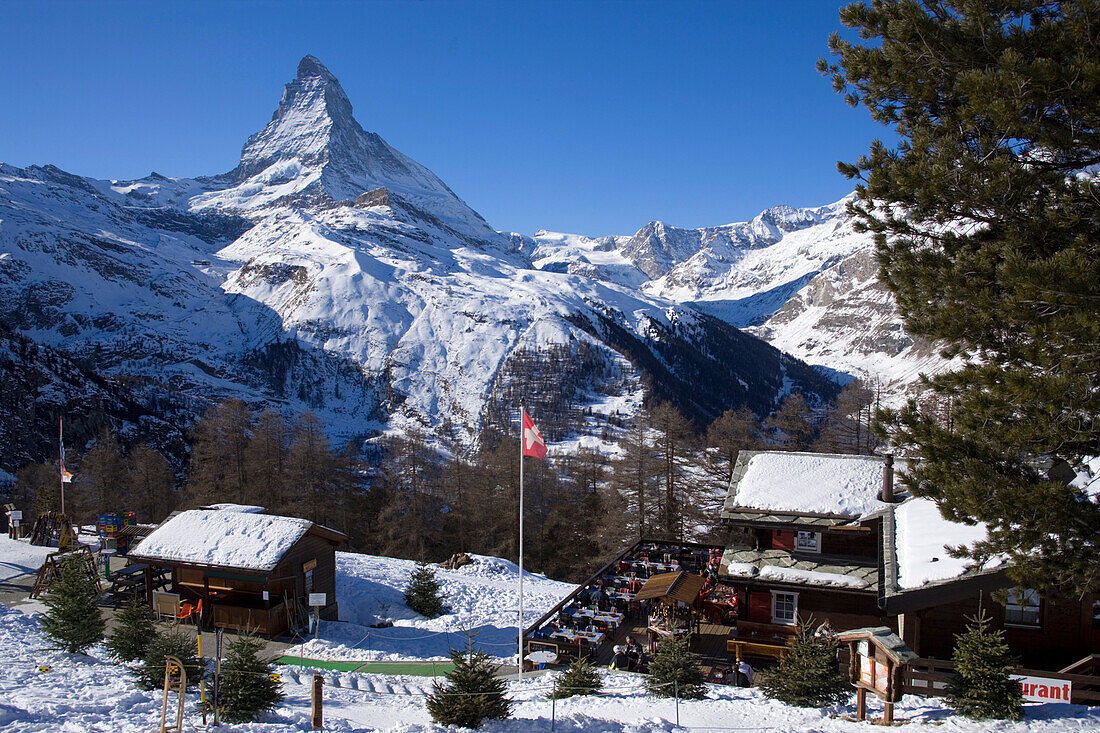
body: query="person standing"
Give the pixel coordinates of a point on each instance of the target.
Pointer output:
(744, 674)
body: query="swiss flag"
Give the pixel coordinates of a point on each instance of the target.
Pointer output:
(533, 444)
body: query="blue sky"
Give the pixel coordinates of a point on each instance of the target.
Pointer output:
(587, 117)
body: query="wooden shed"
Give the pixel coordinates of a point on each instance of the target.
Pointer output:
(251, 571)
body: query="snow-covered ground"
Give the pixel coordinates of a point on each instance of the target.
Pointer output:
(482, 602)
(20, 558)
(89, 693)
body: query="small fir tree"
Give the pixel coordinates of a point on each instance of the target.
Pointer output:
(133, 631)
(982, 686)
(473, 694)
(175, 643)
(247, 687)
(674, 670)
(73, 620)
(582, 678)
(422, 594)
(807, 675)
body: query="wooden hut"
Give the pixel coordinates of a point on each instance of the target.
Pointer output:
(673, 596)
(251, 571)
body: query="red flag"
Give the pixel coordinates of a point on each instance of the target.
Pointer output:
(533, 444)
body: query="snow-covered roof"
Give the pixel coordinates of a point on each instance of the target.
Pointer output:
(780, 566)
(922, 535)
(243, 508)
(811, 483)
(223, 538)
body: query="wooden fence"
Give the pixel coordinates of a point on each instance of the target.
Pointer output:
(929, 676)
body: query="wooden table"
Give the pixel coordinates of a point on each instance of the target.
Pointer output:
(542, 658)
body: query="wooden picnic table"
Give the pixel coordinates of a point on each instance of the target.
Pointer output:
(611, 618)
(573, 636)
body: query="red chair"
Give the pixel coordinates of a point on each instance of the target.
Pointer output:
(188, 611)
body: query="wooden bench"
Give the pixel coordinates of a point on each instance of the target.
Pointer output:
(759, 639)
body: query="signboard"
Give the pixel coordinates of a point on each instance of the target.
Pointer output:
(1044, 689)
(882, 677)
(867, 670)
(306, 567)
(267, 596)
(16, 514)
(318, 599)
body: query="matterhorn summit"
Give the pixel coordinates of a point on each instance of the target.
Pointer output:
(314, 153)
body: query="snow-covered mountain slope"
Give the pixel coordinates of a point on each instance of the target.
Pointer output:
(328, 271)
(802, 279)
(845, 316)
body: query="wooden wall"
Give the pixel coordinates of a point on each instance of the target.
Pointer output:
(844, 610)
(311, 547)
(1064, 635)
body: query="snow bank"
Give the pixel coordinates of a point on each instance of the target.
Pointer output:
(19, 558)
(482, 601)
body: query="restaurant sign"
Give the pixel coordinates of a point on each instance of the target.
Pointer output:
(1044, 689)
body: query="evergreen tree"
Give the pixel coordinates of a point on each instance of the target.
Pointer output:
(792, 424)
(133, 631)
(219, 460)
(807, 675)
(247, 686)
(582, 678)
(982, 686)
(674, 670)
(100, 484)
(988, 234)
(674, 436)
(174, 643)
(636, 471)
(422, 594)
(36, 491)
(150, 482)
(732, 432)
(474, 692)
(73, 620)
(847, 424)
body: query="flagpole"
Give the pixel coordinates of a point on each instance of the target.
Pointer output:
(61, 457)
(522, 412)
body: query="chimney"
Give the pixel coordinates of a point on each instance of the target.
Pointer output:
(888, 479)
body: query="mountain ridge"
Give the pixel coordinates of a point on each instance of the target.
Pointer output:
(408, 312)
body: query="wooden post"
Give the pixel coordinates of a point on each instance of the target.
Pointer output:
(316, 714)
(202, 680)
(888, 713)
(861, 703)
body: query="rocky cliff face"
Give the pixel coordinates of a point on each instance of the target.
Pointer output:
(845, 317)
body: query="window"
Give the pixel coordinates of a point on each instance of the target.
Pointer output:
(808, 541)
(784, 608)
(1022, 608)
(1096, 614)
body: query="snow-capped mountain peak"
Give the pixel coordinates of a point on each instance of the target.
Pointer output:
(312, 121)
(314, 153)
